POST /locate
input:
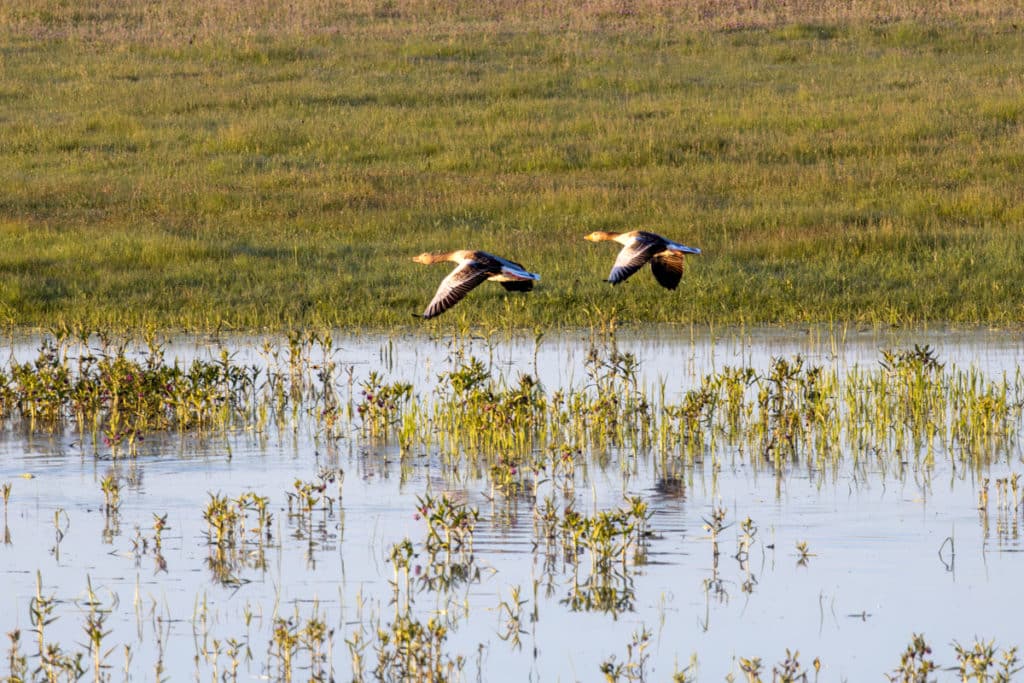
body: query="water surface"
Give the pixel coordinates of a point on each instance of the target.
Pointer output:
(880, 569)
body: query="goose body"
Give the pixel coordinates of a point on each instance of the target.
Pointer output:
(473, 267)
(640, 248)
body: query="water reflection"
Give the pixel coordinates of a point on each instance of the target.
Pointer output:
(854, 474)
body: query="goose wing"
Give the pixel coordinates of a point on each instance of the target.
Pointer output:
(513, 276)
(504, 262)
(668, 268)
(456, 285)
(517, 285)
(632, 258)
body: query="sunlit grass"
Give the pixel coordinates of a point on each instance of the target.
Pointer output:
(840, 167)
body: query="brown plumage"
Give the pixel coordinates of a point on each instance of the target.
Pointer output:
(640, 248)
(473, 268)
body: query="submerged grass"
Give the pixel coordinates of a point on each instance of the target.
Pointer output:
(528, 446)
(510, 428)
(166, 165)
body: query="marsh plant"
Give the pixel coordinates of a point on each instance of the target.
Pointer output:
(450, 524)
(510, 616)
(984, 662)
(634, 669)
(238, 533)
(609, 539)
(916, 663)
(789, 670)
(981, 662)
(410, 646)
(114, 399)
(380, 406)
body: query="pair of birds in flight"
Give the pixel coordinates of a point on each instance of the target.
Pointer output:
(638, 249)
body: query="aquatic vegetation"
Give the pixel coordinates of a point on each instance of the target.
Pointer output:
(110, 397)
(410, 647)
(916, 664)
(412, 650)
(714, 527)
(983, 662)
(238, 532)
(589, 488)
(788, 670)
(381, 405)
(450, 524)
(110, 486)
(510, 614)
(634, 668)
(804, 554)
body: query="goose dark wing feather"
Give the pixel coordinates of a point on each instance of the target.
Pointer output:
(632, 258)
(497, 261)
(667, 268)
(517, 285)
(455, 286)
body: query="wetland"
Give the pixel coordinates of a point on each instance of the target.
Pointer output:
(766, 505)
(228, 453)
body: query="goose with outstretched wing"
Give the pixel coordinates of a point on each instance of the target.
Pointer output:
(473, 267)
(640, 248)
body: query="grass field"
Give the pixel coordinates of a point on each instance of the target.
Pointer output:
(222, 164)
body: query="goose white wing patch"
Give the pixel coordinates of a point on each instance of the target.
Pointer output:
(455, 286)
(632, 258)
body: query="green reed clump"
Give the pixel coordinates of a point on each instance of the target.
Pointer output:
(381, 405)
(40, 390)
(788, 396)
(479, 412)
(607, 537)
(788, 670)
(411, 649)
(695, 413)
(787, 414)
(110, 487)
(450, 524)
(307, 637)
(237, 533)
(916, 664)
(55, 663)
(17, 661)
(108, 394)
(983, 662)
(635, 666)
(284, 645)
(504, 424)
(982, 414)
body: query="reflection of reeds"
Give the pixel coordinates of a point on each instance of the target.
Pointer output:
(530, 447)
(5, 491)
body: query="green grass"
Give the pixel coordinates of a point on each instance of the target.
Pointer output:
(183, 171)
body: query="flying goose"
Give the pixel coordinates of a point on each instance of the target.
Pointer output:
(640, 248)
(473, 268)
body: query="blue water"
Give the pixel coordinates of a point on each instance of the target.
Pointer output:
(879, 570)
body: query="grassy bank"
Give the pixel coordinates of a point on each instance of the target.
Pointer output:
(209, 164)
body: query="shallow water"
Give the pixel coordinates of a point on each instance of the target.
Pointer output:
(879, 569)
